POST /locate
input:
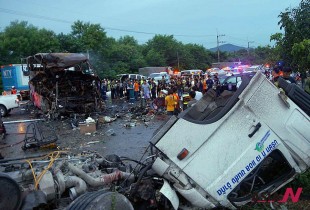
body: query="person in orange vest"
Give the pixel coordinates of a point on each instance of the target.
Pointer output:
(204, 86)
(13, 90)
(136, 87)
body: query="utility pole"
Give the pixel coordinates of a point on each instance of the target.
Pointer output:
(178, 61)
(218, 45)
(249, 47)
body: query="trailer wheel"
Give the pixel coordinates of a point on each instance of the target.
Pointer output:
(3, 110)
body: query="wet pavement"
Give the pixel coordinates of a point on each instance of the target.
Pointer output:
(127, 136)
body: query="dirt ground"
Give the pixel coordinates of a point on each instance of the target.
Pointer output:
(132, 130)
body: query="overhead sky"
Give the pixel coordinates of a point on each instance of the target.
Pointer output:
(242, 22)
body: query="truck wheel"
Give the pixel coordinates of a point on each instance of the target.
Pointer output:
(3, 110)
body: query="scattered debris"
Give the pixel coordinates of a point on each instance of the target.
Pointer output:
(39, 136)
(93, 142)
(87, 127)
(110, 132)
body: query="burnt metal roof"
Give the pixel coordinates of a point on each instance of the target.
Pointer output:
(57, 60)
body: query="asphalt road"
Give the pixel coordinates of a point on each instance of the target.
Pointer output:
(132, 130)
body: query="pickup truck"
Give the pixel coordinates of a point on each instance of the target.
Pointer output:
(8, 102)
(226, 150)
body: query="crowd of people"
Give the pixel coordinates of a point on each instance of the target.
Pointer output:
(169, 94)
(165, 94)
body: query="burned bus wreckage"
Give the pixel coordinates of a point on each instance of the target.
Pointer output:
(242, 144)
(63, 83)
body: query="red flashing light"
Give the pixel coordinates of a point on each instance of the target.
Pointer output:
(11, 65)
(183, 154)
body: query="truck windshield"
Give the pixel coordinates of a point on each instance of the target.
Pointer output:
(266, 177)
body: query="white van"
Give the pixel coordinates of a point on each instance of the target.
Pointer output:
(158, 76)
(123, 77)
(192, 72)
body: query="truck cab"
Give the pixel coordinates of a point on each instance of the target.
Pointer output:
(225, 150)
(16, 75)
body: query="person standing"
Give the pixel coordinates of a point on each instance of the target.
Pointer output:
(13, 90)
(193, 101)
(209, 83)
(176, 98)
(104, 90)
(130, 90)
(154, 89)
(113, 85)
(146, 90)
(216, 85)
(180, 88)
(121, 89)
(136, 89)
(287, 71)
(170, 102)
(159, 88)
(199, 84)
(204, 86)
(117, 90)
(198, 95)
(163, 80)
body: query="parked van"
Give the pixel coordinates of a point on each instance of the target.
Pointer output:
(123, 77)
(158, 76)
(191, 72)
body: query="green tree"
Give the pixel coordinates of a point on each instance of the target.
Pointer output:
(89, 36)
(92, 39)
(195, 56)
(296, 26)
(154, 58)
(69, 43)
(126, 56)
(166, 47)
(20, 40)
(301, 55)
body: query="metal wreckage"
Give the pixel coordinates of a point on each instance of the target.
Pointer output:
(246, 143)
(62, 83)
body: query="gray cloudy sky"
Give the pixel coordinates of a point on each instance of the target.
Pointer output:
(190, 21)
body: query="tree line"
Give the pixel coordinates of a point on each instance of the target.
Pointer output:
(110, 56)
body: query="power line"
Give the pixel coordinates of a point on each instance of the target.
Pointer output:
(31, 15)
(14, 12)
(244, 40)
(218, 45)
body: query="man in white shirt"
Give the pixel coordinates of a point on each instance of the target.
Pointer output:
(198, 94)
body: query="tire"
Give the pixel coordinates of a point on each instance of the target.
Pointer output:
(3, 110)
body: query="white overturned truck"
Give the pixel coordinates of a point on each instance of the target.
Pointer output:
(225, 150)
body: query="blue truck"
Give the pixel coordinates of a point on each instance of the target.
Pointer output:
(16, 75)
